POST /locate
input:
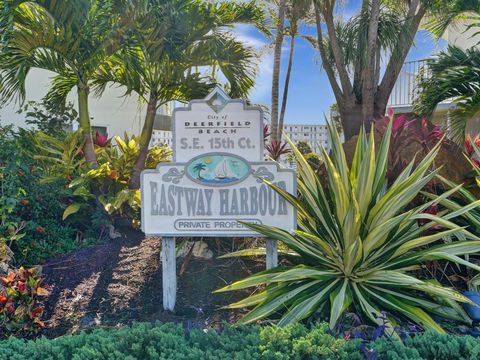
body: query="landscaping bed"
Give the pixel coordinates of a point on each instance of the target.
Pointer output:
(120, 281)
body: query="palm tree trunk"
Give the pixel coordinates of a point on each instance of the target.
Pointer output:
(84, 119)
(145, 138)
(287, 84)
(276, 70)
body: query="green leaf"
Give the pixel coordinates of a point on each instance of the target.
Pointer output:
(71, 209)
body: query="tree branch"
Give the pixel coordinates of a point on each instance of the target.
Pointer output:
(406, 37)
(337, 50)
(337, 91)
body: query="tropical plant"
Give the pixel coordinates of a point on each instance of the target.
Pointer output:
(10, 230)
(351, 50)
(276, 149)
(358, 243)
(277, 55)
(454, 75)
(70, 38)
(60, 157)
(20, 307)
(108, 184)
(195, 35)
(295, 12)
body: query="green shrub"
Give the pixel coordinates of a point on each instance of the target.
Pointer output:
(293, 342)
(430, 346)
(29, 205)
(359, 242)
(168, 341)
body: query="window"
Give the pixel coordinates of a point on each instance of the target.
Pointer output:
(102, 130)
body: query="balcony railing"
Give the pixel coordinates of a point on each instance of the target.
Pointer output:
(406, 88)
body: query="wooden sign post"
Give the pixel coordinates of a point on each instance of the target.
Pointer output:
(214, 182)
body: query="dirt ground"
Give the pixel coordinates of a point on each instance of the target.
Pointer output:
(120, 282)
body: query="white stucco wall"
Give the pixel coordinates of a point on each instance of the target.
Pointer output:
(117, 113)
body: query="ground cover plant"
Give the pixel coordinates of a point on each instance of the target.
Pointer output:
(169, 341)
(359, 243)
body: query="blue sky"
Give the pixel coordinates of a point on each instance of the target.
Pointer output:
(310, 94)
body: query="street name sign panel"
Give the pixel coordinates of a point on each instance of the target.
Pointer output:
(218, 124)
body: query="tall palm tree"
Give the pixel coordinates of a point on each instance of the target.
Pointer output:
(277, 55)
(193, 35)
(296, 11)
(70, 38)
(362, 88)
(453, 75)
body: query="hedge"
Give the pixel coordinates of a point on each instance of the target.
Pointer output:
(169, 341)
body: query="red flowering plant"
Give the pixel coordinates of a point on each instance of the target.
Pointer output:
(101, 140)
(405, 132)
(472, 150)
(276, 149)
(20, 307)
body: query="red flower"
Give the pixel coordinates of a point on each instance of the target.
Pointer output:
(10, 309)
(469, 144)
(36, 312)
(113, 175)
(100, 140)
(399, 123)
(40, 230)
(22, 287)
(390, 113)
(3, 299)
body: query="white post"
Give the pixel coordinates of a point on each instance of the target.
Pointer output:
(169, 273)
(272, 254)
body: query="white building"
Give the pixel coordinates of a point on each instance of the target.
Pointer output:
(315, 135)
(406, 89)
(161, 137)
(112, 114)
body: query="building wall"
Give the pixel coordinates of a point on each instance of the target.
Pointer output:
(162, 137)
(112, 111)
(315, 135)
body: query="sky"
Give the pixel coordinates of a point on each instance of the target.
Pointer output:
(310, 94)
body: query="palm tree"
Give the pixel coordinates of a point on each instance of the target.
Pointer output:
(282, 4)
(193, 35)
(296, 11)
(70, 38)
(453, 75)
(199, 168)
(362, 87)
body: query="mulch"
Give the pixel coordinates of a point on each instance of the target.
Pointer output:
(120, 282)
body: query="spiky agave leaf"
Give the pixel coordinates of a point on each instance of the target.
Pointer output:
(358, 243)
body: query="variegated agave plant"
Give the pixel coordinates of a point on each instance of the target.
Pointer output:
(359, 244)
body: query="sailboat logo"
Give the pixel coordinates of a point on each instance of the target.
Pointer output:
(217, 169)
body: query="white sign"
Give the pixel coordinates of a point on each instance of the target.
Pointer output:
(215, 181)
(218, 124)
(181, 200)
